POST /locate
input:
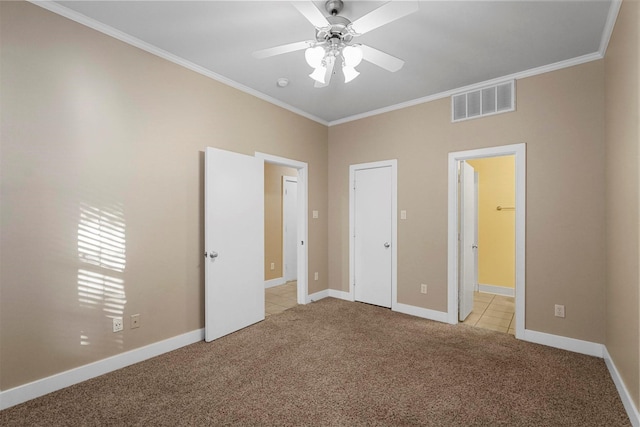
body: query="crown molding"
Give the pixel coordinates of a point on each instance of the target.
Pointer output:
(51, 6)
(117, 34)
(515, 76)
(614, 9)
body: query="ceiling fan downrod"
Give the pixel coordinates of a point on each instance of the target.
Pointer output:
(334, 7)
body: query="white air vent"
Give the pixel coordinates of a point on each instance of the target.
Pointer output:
(485, 101)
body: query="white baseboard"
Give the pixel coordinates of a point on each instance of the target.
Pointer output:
(23, 393)
(425, 313)
(329, 293)
(498, 290)
(627, 401)
(318, 296)
(564, 343)
(340, 295)
(274, 282)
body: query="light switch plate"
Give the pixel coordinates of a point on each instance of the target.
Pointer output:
(315, 214)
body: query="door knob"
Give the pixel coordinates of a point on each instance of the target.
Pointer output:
(213, 254)
(474, 246)
(386, 244)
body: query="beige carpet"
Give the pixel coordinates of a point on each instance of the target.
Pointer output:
(344, 364)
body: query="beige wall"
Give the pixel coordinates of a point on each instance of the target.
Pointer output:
(90, 124)
(496, 228)
(560, 117)
(92, 127)
(622, 66)
(273, 192)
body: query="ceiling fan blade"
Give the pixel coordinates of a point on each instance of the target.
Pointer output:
(386, 13)
(278, 50)
(331, 62)
(381, 59)
(312, 13)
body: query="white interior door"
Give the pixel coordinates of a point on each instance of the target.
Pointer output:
(372, 235)
(468, 243)
(290, 227)
(234, 242)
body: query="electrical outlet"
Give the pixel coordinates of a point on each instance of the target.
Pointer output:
(135, 321)
(559, 310)
(273, 265)
(315, 276)
(423, 288)
(117, 324)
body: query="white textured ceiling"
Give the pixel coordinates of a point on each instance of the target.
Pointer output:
(445, 44)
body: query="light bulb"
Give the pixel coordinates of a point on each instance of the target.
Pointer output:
(350, 73)
(314, 56)
(352, 56)
(318, 74)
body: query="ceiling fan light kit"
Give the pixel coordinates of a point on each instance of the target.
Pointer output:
(319, 59)
(334, 36)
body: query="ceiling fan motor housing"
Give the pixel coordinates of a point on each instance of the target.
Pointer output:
(338, 29)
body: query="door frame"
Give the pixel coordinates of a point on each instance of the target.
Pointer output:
(393, 163)
(303, 219)
(285, 216)
(519, 151)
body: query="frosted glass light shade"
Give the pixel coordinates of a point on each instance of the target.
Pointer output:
(352, 56)
(314, 56)
(350, 73)
(318, 74)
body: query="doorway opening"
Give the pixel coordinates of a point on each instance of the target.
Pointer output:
(486, 229)
(285, 261)
(486, 287)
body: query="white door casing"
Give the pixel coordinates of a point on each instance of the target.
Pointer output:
(468, 243)
(234, 242)
(373, 252)
(289, 227)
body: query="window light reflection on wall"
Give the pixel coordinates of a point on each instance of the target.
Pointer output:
(102, 251)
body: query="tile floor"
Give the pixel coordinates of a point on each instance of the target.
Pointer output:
(495, 312)
(279, 298)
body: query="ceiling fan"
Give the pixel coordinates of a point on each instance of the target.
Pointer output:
(334, 39)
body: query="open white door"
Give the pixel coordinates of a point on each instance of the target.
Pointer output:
(290, 227)
(468, 244)
(373, 235)
(234, 242)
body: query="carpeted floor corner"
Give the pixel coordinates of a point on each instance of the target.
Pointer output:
(337, 363)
